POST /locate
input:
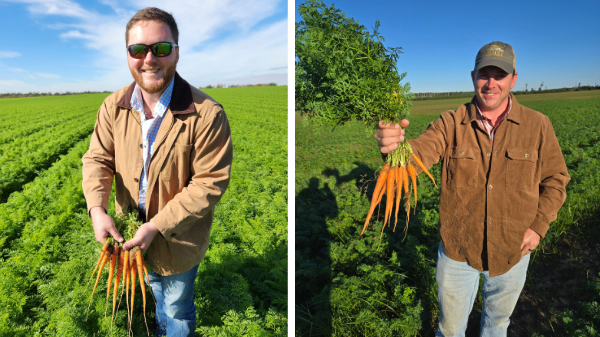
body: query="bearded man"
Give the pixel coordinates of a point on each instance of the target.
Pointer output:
(168, 147)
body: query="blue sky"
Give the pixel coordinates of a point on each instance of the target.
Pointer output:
(75, 45)
(557, 42)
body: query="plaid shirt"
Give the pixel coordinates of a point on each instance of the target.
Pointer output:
(150, 126)
(487, 124)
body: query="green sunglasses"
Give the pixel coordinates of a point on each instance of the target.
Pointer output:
(159, 49)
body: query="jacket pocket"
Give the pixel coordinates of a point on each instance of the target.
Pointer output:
(463, 167)
(192, 244)
(520, 169)
(177, 165)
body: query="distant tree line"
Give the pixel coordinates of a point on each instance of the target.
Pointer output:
(38, 94)
(272, 84)
(422, 96)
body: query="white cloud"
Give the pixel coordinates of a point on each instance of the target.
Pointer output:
(48, 76)
(7, 54)
(246, 57)
(55, 7)
(220, 40)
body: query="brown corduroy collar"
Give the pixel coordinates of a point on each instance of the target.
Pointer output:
(514, 115)
(181, 101)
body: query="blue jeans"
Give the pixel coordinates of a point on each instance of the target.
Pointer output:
(175, 308)
(457, 288)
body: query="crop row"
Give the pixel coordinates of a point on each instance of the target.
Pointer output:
(16, 132)
(20, 113)
(22, 159)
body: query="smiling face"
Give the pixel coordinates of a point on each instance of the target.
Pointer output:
(492, 86)
(153, 74)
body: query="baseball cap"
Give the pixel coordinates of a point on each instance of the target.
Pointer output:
(497, 54)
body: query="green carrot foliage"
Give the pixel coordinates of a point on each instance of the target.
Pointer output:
(344, 72)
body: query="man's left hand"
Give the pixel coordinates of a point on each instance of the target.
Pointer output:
(530, 242)
(143, 237)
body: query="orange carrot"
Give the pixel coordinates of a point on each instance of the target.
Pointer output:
(405, 179)
(148, 279)
(420, 163)
(399, 179)
(413, 177)
(132, 271)
(116, 289)
(390, 195)
(111, 272)
(145, 271)
(102, 252)
(138, 260)
(109, 250)
(377, 194)
(126, 281)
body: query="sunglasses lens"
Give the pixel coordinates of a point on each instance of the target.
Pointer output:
(137, 51)
(161, 49)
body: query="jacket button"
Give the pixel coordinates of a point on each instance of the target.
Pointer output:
(173, 235)
(488, 154)
(142, 146)
(526, 155)
(136, 180)
(462, 152)
(490, 187)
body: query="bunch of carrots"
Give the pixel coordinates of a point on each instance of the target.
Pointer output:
(127, 263)
(392, 180)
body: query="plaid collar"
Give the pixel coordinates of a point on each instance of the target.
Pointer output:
(137, 101)
(482, 118)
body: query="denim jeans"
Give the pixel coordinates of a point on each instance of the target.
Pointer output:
(457, 288)
(175, 308)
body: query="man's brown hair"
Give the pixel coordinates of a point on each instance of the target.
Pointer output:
(153, 14)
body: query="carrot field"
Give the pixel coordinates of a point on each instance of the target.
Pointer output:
(349, 288)
(47, 244)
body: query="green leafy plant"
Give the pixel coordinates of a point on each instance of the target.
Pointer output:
(345, 73)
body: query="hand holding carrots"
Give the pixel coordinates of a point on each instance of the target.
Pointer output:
(143, 237)
(389, 135)
(399, 168)
(104, 225)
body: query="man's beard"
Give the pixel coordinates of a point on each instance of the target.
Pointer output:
(159, 86)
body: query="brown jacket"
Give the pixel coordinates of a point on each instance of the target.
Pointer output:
(491, 196)
(188, 173)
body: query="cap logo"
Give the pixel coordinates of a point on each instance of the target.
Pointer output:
(495, 50)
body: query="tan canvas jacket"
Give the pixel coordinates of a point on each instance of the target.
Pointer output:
(491, 196)
(188, 173)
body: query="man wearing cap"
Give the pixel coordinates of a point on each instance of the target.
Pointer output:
(503, 182)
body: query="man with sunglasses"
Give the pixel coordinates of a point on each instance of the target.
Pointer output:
(168, 145)
(503, 181)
